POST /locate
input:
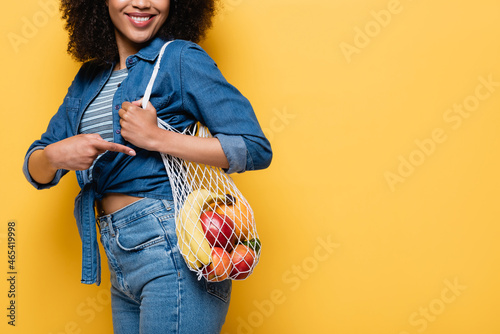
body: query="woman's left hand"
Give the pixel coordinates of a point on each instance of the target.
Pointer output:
(139, 126)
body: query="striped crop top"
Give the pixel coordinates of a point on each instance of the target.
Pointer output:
(98, 117)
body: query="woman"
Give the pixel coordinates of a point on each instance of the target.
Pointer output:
(102, 133)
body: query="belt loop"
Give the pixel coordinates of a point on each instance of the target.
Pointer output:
(166, 204)
(106, 222)
(109, 221)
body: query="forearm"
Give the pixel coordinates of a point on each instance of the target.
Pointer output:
(39, 167)
(139, 127)
(201, 150)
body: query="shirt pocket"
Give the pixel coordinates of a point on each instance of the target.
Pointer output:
(72, 107)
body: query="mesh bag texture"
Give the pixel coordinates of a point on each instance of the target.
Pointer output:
(215, 225)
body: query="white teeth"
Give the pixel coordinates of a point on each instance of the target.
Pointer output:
(140, 19)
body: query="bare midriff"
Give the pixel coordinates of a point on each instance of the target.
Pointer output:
(113, 202)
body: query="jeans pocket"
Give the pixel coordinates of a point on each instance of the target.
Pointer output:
(221, 290)
(140, 234)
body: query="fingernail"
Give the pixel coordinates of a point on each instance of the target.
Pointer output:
(132, 153)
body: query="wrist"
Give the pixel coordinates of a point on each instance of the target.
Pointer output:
(48, 158)
(40, 168)
(160, 140)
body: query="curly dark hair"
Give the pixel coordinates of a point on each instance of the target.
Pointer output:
(92, 36)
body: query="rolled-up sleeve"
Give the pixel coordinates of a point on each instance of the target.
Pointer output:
(57, 130)
(59, 174)
(229, 116)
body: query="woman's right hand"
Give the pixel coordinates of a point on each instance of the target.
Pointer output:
(73, 153)
(80, 151)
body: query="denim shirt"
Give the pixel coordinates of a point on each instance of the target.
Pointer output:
(188, 88)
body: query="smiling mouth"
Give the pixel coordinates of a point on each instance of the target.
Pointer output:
(141, 18)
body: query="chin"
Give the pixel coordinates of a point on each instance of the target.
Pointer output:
(141, 39)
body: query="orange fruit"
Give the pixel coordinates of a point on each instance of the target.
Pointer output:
(240, 214)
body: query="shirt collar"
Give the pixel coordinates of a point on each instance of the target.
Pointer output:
(151, 51)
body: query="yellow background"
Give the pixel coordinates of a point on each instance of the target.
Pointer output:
(418, 254)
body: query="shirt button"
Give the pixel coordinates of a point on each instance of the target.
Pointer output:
(119, 84)
(129, 60)
(117, 107)
(118, 131)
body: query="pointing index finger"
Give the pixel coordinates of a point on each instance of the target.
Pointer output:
(114, 147)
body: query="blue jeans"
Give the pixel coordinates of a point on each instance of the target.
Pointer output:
(152, 289)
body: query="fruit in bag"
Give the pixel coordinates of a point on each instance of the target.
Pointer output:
(253, 244)
(219, 230)
(220, 267)
(242, 258)
(192, 242)
(239, 213)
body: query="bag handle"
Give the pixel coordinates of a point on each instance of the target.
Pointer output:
(147, 94)
(149, 88)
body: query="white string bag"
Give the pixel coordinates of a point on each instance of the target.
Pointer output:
(215, 225)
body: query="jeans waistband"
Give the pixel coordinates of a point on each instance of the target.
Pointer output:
(131, 212)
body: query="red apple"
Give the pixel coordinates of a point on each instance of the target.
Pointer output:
(220, 267)
(243, 259)
(219, 230)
